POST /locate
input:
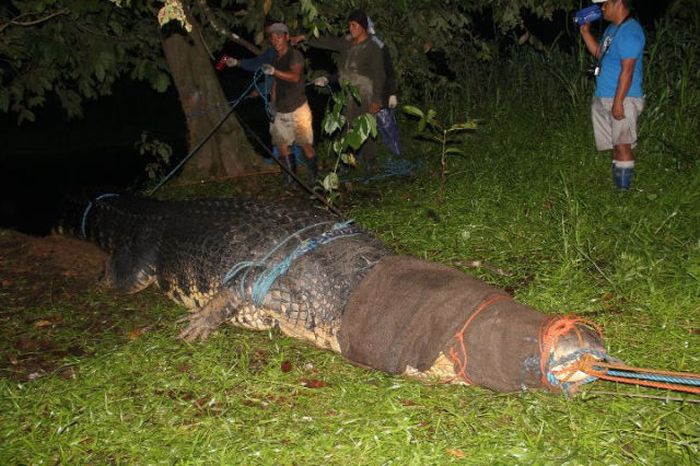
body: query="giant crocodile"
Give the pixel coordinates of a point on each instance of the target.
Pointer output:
(262, 265)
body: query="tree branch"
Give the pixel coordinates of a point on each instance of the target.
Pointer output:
(17, 21)
(225, 31)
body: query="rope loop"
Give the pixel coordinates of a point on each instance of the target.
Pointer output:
(460, 363)
(551, 331)
(271, 272)
(88, 208)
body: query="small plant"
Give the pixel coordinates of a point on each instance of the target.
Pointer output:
(430, 127)
(348, 136)
(157, 152)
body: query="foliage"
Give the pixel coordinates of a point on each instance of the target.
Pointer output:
(445, 136)
(672, 81)
(77, 49)
(158, 153)
(73, 49)
(348, 136)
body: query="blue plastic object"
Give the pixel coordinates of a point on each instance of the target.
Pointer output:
(588, 15)
(389, 130)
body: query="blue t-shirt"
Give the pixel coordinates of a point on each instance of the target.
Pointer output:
(621, 42)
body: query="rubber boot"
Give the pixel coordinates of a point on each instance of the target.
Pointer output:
(288, 163)
(313, 170)
(298, 154)
(622, 175)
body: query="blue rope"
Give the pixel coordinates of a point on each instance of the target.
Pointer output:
(247, 265)
(655, 377)
(268, 277)
(568, 386)
(264, 93)
(271, 273)
(83, 223)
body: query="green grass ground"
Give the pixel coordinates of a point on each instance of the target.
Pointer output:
(532, 198)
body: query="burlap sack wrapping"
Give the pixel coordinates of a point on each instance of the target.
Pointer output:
(406, 311)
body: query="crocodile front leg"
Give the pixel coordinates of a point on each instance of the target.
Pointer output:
(204, 321)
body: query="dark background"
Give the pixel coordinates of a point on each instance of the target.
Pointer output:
(41, 160)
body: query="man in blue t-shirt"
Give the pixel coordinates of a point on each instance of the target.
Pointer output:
(619, 95)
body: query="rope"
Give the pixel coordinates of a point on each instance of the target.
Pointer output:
(294, 176)
(461, 364)
(88, 208)
(551, 331)
(269, 276)
(206, 138)
(617, 372)
(271, 273)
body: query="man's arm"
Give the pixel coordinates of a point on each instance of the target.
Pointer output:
(591, 42)
(378, 77)
(624, 82)
(337, 44)
(252, 64)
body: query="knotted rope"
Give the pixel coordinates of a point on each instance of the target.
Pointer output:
(461, 358)
(271, 272)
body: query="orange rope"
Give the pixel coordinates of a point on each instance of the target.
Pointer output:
(555, 328)
(461, 365)
(625, 367)
(588, 365)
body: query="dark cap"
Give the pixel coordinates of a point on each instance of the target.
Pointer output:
(359, 17)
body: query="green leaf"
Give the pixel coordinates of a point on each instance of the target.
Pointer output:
(431, 118)
(366, 124)
(354, 139)
(331, 182)
(332, 122)
(463, 126)
(454, 150)
(349, 159)
(161, 82)
(415, 111)
(339, 145)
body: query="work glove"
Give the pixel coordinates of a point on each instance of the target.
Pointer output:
(268, 69)
(321, 81)
(231, 62)
(393, 101)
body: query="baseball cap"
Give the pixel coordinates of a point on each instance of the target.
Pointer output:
(280, 28)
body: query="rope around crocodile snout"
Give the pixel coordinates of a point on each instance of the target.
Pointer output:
(599, 366)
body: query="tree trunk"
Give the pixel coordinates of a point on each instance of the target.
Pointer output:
(228, 152)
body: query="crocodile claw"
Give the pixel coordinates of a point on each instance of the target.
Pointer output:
(199, 327)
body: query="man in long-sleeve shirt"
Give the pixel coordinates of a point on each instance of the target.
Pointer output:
(360, 63)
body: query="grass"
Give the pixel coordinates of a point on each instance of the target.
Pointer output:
(532, 198)
(542, 209)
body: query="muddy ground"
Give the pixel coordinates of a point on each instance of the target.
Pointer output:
(53, 311)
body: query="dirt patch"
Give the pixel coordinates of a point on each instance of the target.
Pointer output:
(33, 270)
(52, 309)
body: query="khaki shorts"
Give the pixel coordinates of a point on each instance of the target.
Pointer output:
(296, 126)
(610, 132)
